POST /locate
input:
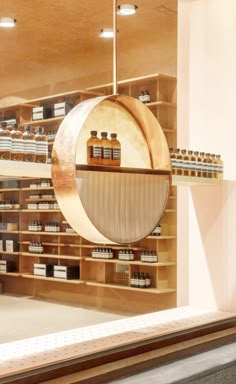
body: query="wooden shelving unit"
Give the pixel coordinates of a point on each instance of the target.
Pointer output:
(65, 248)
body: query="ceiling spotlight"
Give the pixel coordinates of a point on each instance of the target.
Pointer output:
(107, 33)
(7, 22)
(126, 9)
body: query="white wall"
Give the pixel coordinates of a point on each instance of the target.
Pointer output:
(207, 121)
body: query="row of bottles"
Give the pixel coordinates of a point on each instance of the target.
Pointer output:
(35, 226)
(27, 146)
(103, 151)
(157, 231)
(35, 247)
(196, 164)
(102, 253)
(126, 254)
(140, 280)
(144, 97)
(9, 204)
(42, 184)
(149, 257)
(43, 205)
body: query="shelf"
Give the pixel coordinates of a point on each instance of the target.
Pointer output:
(51, 256)
(9, 253)
(168, 130)
(41, 199)
(49, 233)
(133, 81)
(133, 262)
(30, 276)
(189, 181)
(168, 237)
(9, 189)
(10, 210)
(15, 274)
(44, 121)
(37, 189)
(161, 104)
(91, 246)
(9, 231)
(145, 290)
(23, 168)
(99, 168)
(40, 210)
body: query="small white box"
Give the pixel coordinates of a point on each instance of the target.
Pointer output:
(11, 246)
(45, 270)
(61, 109)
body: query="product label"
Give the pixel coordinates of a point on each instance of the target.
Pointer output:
(29, 146)
(17, 145)
(5, 143)
(41, 147)
(116, 153)
(95, 151)
(106, 152)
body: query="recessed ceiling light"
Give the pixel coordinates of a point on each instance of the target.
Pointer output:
(7, 22)
(107, 33)
(126, 9)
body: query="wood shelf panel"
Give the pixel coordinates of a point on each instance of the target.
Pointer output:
(55, 279)
(169, 237)
(131, 262)
(21, 168)
(51, 256)
(91, 246)
(128, 288)
(44, 122)
(9, 189)
(9, 231)
(14, 274)
(161, 104)
(37, 189)
(41, 200)
(44, 233)
(9, 253)
(40, 210)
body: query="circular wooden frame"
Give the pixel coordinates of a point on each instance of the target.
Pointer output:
(112, 204)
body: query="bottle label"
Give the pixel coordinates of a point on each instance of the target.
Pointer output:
(17, 145)
(106, 152)
(5, 143)
(116, 153)
(95, 151)
(41, 147)
(29, 146)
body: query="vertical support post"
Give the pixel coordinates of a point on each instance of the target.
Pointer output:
(115, 47)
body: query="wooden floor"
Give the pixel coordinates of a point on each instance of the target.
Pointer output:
(65, 353)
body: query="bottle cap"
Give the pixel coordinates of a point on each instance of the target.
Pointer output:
(3, 124)
(40, 130)
(93, 133)
(15, 126)
(113, 135)
(27, 127)
(104, 134)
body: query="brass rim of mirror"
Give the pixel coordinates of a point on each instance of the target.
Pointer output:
(112, 204)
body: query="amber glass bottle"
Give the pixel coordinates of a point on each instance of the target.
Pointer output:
(41, 146)
(106, 149)
(5, 142)
(192, 164)
(213, 166)
(179, 162)
(185, 161)
(94, 151)
(172, 159)
(17, 143)
(115, 150)
(220, 167)
(29, 144)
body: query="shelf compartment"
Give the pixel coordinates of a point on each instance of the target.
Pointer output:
(145, 290)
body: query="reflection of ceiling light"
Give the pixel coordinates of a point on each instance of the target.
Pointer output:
(7, 22)
(107, 33)
(126, 9)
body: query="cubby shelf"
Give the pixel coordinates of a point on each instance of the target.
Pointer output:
(44, 121)
(49, 233)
